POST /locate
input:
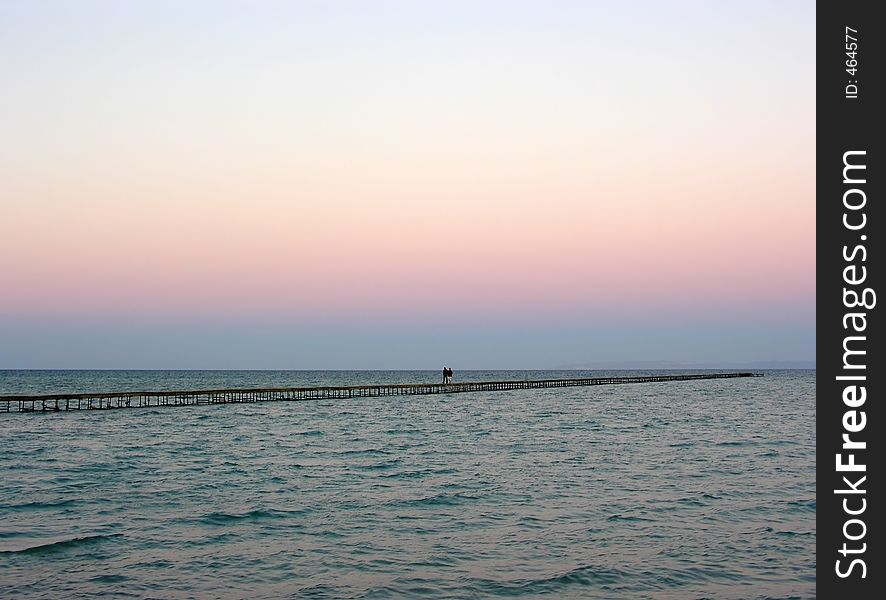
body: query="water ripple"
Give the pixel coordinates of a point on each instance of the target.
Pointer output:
(699, 489)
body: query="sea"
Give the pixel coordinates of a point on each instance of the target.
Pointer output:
(675, 490)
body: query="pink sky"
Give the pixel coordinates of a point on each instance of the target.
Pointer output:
(511, 166)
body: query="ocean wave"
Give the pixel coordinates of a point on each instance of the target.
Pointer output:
(259, 514)
(805, 505)
(557, 584)
(367, 451)
(439, 500)
(380, 466)
(58, 545)
(110, 578)
(628, 518)
(39, 505)
(414, 474)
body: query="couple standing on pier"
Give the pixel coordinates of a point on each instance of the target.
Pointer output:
(447, 375)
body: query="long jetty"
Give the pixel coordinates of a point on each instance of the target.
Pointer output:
(111, 400)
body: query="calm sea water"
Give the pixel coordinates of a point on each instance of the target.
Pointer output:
(700, 489)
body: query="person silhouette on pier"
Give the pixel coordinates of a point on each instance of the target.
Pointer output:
(445, 374)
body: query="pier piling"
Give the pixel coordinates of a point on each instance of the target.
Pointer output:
(145, 399)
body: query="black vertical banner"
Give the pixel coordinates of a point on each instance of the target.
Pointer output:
(851, 375)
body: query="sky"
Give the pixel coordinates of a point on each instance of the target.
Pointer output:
(401, 185)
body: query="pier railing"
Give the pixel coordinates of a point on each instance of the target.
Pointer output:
(135, 399)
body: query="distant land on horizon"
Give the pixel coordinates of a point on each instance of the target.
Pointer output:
(668, 364)
(614, 365)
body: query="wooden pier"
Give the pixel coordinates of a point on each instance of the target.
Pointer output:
(109, 400)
